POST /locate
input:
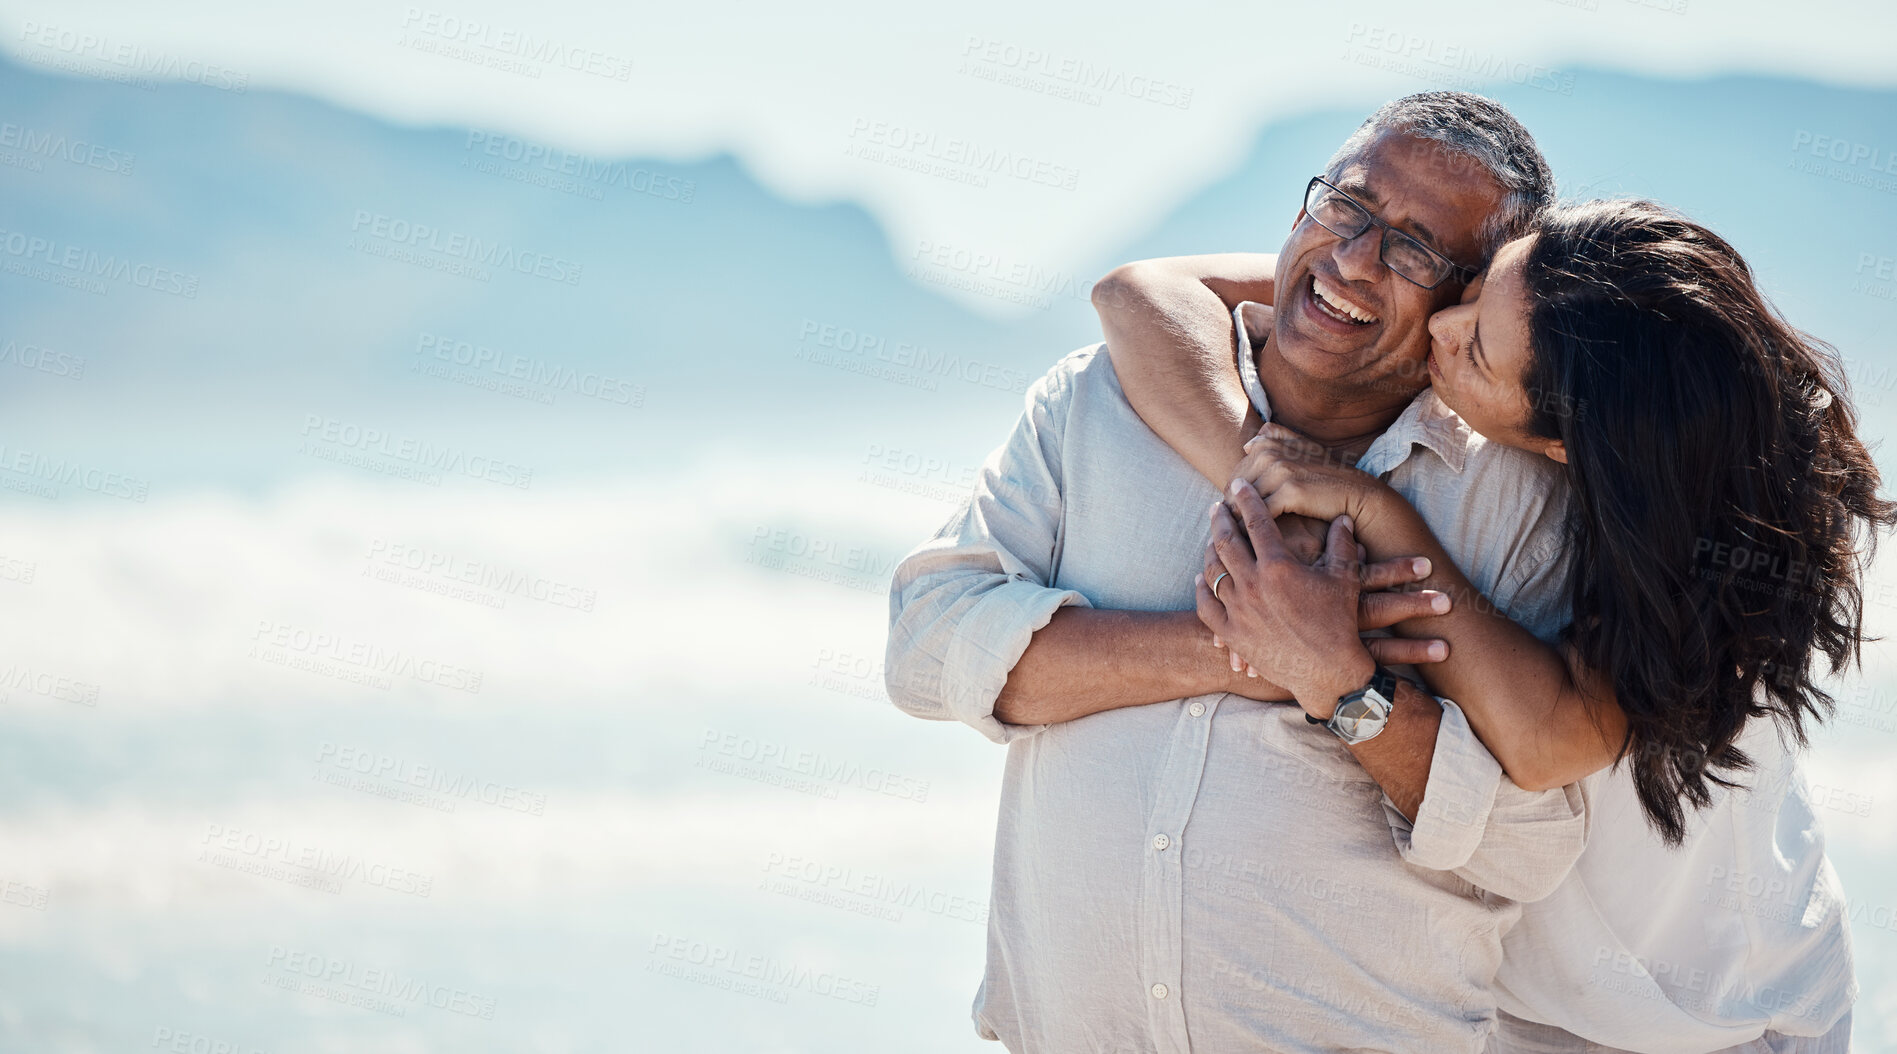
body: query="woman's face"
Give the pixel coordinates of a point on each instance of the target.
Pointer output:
(1479, 353)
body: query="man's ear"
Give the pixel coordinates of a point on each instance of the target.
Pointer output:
(1298, 220)
(1557, 450)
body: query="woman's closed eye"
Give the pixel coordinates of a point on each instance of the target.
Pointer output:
(1468, 350)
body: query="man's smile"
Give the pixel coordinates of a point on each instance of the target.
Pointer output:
(1338, 305)
(1333, 310)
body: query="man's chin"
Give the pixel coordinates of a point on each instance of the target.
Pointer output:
(1323, 360)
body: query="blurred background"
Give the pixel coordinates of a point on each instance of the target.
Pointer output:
(452, 460)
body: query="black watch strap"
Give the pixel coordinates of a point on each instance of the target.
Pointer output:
(1382, 680)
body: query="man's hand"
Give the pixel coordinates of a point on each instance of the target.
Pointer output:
(1298, 624)
(1384, 602)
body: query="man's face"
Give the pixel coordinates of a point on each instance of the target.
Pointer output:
(1416, 186)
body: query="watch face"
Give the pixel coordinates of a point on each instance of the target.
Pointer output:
(1360, 717)
(1356, 718)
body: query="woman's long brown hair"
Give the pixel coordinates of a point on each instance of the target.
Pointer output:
(1724, 509)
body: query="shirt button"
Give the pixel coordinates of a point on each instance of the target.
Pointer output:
(1196, 709)
(1159, 991)
(1160, 842)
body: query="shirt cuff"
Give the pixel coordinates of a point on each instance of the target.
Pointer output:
(988, 641)
(1463, 778)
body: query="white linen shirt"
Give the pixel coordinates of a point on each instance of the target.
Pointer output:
(1215, 874)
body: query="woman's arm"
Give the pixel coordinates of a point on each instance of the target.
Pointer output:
(1168, 326)
(1548, 719)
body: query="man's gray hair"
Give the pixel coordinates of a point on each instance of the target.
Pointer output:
(1480, 132)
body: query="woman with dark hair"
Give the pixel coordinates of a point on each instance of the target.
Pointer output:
(1722, 511)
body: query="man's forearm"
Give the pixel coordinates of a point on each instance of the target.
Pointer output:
(1086, 660)
(1399, 757)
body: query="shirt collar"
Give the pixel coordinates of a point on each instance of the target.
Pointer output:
(1425, 422)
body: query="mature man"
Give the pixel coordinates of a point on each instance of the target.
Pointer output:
(1213, 873)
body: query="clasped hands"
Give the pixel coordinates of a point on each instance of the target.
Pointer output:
(1298, 595)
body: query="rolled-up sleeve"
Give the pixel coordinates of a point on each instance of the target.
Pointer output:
(1477, 824)
(964, 605)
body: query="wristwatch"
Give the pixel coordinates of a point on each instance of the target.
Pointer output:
(1363, 713)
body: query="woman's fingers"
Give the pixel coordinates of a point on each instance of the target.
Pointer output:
(1389, 574)
(1286, 497)
(1394, 651)
(1304, 537)
(1265, 472)
(1383, 610)
(1341, 545)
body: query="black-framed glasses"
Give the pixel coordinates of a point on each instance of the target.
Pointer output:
(1346, 217)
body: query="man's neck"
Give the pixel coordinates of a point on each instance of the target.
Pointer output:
(1340, 417)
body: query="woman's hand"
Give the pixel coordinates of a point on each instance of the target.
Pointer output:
(1296, 475)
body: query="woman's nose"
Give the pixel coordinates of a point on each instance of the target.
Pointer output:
(1445, 325)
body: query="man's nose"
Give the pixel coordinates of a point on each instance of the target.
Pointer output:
(1359, 259)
